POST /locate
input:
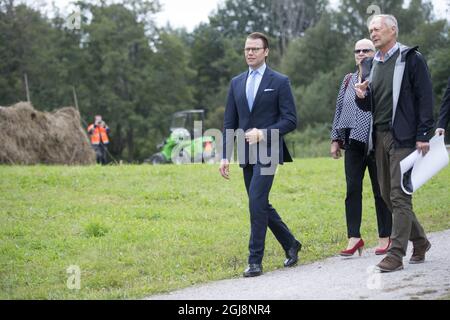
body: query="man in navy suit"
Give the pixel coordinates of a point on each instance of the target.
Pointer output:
(260, 105)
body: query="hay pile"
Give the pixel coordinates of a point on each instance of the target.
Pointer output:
(28, 136)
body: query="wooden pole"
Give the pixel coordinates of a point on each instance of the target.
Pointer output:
(75, 99)
(26, 87)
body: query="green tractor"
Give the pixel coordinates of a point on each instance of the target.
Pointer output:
(181, 147)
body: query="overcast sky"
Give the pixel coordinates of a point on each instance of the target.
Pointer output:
(186, 13)
(189, 13)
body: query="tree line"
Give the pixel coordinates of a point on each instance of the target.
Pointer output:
(135, 74)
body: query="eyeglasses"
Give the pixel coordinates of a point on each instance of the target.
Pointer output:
(254, 50)
(357, 51)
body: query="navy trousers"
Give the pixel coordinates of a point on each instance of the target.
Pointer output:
(262, 214)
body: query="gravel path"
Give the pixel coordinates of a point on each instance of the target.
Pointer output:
(337, 278)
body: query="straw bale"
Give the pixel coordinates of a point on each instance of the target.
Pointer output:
(29, 136)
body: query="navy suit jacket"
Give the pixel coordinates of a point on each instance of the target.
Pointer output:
(444, 115)
(273, 108)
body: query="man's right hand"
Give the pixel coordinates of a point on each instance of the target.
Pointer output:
(225, 169)
(335, 150)
(423, 147)
(361, 89)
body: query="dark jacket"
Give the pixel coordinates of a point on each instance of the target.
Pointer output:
(444, 115)
(412, 116)
(273, 108)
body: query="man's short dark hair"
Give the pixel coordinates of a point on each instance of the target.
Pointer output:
(259, 35)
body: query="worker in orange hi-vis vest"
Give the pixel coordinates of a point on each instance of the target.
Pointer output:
(98, 131)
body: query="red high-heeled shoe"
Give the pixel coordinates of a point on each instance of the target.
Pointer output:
(381, 251)
(349, 252)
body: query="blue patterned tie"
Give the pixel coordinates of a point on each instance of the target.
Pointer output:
(251, 89)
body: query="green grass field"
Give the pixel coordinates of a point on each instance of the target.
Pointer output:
(139, 230)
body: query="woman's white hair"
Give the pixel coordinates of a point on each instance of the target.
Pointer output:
(367, 42)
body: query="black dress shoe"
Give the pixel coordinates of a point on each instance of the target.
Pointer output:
(253, 270)
(292, 255)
